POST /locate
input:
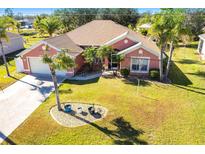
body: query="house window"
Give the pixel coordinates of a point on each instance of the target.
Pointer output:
(140, 65)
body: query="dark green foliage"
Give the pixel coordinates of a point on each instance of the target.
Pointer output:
(75, 17)
(28, 33)
(154, 74)
(125, 72)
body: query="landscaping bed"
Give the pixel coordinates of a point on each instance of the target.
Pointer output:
(79, 114)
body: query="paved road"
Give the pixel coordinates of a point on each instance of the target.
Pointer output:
(20, 99)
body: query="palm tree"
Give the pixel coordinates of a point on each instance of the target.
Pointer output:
(179, 29)
(18, 26)
(160, 31)
(50, 25)
(5, 23)
(37, 24)
(60, 62)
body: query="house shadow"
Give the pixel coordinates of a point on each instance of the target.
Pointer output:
(124, 134)
(6, 139)
(10, 57)
(81, 82)
(177, 76)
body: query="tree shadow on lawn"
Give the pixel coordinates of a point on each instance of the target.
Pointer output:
(177, 76)
(66, 91)
(180, 80)
(191, 45)
(6, 139)
(82, 82)
(44, 90)
(198, 73)
(124, 134)
(188, 88)
(189, 61)
(134, 81)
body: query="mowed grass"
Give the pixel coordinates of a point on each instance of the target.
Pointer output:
(159, 114)
(6, 81)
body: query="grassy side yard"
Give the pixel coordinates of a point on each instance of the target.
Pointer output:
(160, 114)
(6, 81)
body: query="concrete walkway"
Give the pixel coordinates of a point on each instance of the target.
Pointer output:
(20, 99)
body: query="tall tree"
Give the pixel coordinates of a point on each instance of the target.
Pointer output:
(49, 25)
(73, 18)
(178, 29)
(5, 23)
(37, 24)
(9, 12)
(160, 30)
(60, 62)
(123, 16)
(103, 52)
(195, 19)
(68, 20)
(90, 55)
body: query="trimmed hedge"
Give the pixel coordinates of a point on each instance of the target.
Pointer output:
(154, 74)
(125, 72)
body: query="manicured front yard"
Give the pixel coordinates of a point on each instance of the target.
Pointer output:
(160, 114)
(6, 81)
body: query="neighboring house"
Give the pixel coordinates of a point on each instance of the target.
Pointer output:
(26, 23)
(145, 26)
(14, 43)
(201, 46)
(140, 53)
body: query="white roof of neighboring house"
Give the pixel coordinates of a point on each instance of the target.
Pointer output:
(145, 26)
(202, 36)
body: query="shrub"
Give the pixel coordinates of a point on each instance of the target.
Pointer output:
(28, 33)
(154, 74)
(125, 72)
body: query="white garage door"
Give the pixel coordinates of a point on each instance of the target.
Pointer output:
(38, 67)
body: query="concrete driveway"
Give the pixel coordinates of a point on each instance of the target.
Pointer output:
(20, 99)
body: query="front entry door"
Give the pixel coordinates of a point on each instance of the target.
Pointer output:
(113, 63)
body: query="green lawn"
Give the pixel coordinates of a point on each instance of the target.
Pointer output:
(160, 114)
(6, 81)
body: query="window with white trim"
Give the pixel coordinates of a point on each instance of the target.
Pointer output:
(140, 65)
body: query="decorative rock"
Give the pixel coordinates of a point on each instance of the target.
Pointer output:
(79, 115)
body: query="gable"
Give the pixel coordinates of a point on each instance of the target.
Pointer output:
(38, 51)
(123, 44)
(137, 46)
